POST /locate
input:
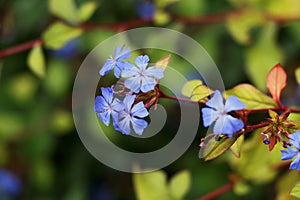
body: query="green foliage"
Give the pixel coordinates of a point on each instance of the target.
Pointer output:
(58, 34)
(253, 98)
(67, 10)
(196, 90)
(296, 190)
(211, 147)
(154, 185)
(262, 55)
(297, 75)
(237, 146)
(284, 185)
(239, 26)
(36, 61)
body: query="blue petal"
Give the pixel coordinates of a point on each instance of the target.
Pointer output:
(209, 116)
(295, 139)
(121, 53)
(116, 126)
(130, 72)
(107, 67)
(142, 61)
(296, 163)
(128, 101)
(124, 126)
(216, 101)
(148, 84)
(155, 72)
(100, 104)
(228, 125)
(105, 117)
(127, 65)
(287, 155)
(139, 125)
(107, 93)
(133, 83)
(233, 103)
(139, 110)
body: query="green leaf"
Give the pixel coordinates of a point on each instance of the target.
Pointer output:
(297, 75)
(285, 183)
(262, 56)
(149, 186)
(161, 17)
(252, 97)
(36, 61)
(58, 34)
(65, 9)
(163, 3)
(239, 26)
(62, 121)
(212, 148)
(284, 8)
(86, 10)
(236, 147)
(256, 163)
(296, 190)
(180, 184)
(195, 90)
(58, 80)
(241, 188)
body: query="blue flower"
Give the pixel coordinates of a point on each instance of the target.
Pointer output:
(141, 78)
(218, 113)
(146, 10)
(288, 155)
(106, 105)
(10, 185)
(117, 62)
(131, 115)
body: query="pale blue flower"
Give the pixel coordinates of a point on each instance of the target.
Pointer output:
(131, 116)
(106, 106)
(224, 123)
(292, 152)
(142, 78)
(10, 184)
(117, 62)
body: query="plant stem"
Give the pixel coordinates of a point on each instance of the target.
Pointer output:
(20, 48)
(253, 127)
(163, 95)
(219, 191)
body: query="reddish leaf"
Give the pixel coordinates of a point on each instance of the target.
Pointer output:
(276, 81)
(272, 142)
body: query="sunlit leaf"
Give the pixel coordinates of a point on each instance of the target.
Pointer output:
(152, 185)
(239, 26)
(163, 63)
(62, 121)
(285, 183)
(261, 56)
(241, 188)
(256, 163)
(236, 147)
(65, 9)
(195, 90)
(86, 10)
(276, 81)
(296, 190)
(297, 75)
(36, 61)
(180, 184)
(161, 17)
(252, 97)
(283, 8)
(59, 34)
(211, 147)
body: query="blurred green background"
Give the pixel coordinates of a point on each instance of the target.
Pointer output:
(38, 140)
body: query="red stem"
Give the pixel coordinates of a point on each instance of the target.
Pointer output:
(162, 95)
(219, 191)
(20, 48)
(252, 127)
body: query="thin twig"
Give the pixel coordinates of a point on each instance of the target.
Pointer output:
(219, 191)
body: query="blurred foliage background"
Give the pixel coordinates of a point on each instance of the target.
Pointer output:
(39, 145)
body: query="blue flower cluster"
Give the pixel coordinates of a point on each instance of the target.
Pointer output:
(127, 114)
(217, 113)
(10, 185)
(292, 152)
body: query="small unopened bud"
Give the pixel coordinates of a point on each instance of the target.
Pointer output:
(266, 141)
